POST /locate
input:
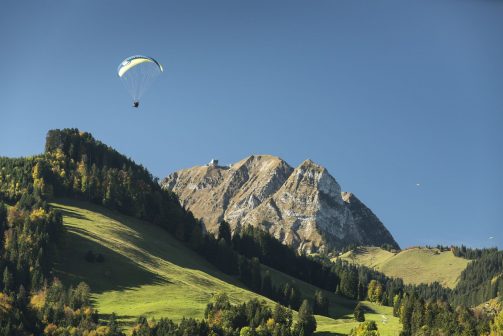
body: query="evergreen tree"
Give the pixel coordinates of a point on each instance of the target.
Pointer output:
(466, 321)
(244, 268)
(375, 291)
(430, 315)
(115, 329)
(22, 296)
(417, 317)
(361, 291)
(294, 299)
(256, 277)
(196, 238)
(227, 259)
(358, 313)
(349, 283)
(282, 315)
(321, 303)
(306, 323)
(8, 280)
(406, 314)
(80, 296)
(3, 224)
(224, 232)
(267, 289)
(397, 300)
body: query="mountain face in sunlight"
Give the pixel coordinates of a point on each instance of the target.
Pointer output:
(302, 207)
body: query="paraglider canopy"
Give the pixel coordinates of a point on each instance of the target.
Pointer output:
(137, 73)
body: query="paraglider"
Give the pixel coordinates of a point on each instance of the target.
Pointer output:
(138, 73)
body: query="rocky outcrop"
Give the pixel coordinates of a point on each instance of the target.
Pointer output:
(366, 222)
(302, 207)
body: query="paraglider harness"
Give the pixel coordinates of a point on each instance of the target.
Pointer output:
(136, 103)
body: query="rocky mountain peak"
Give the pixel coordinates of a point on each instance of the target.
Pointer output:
(302, 207)
(346, 196)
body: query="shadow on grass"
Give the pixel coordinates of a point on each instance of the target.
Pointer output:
(70, 213)
(153, 241)
(342, 306)
(368, 309)
(124, 320)
(360, 250)
(116, 272)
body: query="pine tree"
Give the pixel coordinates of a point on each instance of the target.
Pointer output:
(349, 283)
(256, 278)
(397, 300)
(22, 296)
(196, 238)
(282, 315)
(224, 232)
(417, 318)
(80, 296)
(267, 284)
(306, 323)
(361, 291)
(294, 297)
(113, 326)
(375, 291)
(286, 294)
(321, 303)
(429, 315)
(3, 224)
(8, 280)
(358, 313)
(406, 314)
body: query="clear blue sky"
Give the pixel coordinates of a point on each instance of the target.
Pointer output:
(385, 94)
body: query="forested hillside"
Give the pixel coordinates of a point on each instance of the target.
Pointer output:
(31, 300)
(439, 272)
(77, 166)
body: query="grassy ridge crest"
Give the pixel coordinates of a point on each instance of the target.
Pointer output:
(414, 265)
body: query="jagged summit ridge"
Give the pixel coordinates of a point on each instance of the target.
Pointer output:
(302, 207)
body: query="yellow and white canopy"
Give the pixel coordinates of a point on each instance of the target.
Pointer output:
(137, 73)
(133, 61)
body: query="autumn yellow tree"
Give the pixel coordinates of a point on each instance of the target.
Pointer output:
(497, 325)
(375, 291)
(39, 182)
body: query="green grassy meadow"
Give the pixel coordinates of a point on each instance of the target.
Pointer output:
(387, 324)
(148, 272)
(414, 266)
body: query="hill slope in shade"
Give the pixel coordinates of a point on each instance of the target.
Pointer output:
(414, 266)
(148, 272)
(301, 207)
